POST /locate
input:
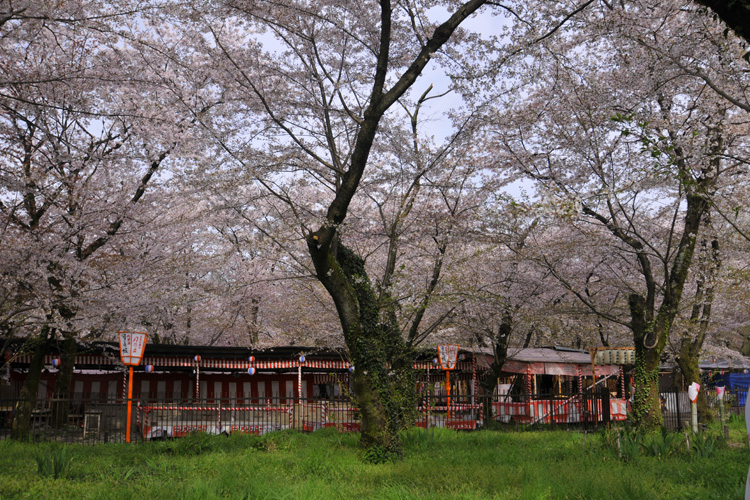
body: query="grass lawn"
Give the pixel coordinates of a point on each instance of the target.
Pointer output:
(325, 464)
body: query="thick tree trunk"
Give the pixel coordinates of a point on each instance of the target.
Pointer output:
(693, 337)
(646, 403)
(651, 328)
(21, 426)
(500, 351)
(384, 383)
(60, 407)
(691, 373)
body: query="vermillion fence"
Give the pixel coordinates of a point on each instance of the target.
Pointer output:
(96, 420)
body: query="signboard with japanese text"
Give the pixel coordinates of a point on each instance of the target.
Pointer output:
(132, 345)
(448, 354)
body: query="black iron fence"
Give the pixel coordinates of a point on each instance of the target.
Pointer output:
(677, 411)
(68, 420)
(95, 420)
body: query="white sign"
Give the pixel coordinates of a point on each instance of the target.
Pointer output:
(448, 354)
(132, 345)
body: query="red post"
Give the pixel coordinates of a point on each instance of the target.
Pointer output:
(130, 404)
(448, 388)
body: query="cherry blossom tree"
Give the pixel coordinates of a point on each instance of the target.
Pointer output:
(634, 149)
(324, 87)
(85, 129)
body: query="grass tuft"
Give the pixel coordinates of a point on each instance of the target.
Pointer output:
(54, 462)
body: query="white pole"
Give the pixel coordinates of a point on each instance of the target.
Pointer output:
(694, 411)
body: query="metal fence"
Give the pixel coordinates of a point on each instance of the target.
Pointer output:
(676, 405)
(88, 421)
(67, 420)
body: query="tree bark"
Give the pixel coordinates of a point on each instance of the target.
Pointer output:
(646, 403)
(384, 382)
(21, 426)
(383, 362)
(500, 351)
(651, 336)
(694, 336)
(60, 407)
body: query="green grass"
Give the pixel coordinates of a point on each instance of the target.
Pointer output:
(438, 464)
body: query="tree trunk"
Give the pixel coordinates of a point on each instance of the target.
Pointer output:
(60, 408)
(21, 426)
(691, 373)
(500, 351)
(646, 403)
(384, 381)
(693, 337)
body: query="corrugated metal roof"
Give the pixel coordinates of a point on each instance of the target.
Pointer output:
(550, 355)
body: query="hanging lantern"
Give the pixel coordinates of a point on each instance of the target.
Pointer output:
(149, 368)
(197, 359)
(434, 361)
(302, 359)
(251, 371)
(351, 369)
(251, 359)
(56, 362)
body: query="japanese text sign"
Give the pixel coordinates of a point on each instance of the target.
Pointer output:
(132, 345)
(448, 354)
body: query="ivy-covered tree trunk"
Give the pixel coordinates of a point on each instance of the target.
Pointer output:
(646, 403)
(651, 327)
(384, 383)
